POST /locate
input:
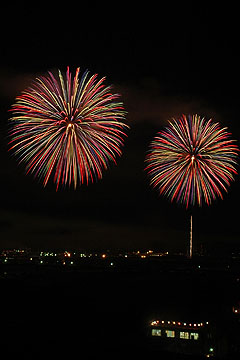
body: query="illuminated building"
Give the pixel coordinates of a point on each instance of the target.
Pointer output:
(195, 338)
(216, 338)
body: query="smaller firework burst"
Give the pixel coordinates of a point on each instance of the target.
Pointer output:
(192, 160)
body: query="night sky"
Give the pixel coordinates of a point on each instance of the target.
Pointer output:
(182, 61)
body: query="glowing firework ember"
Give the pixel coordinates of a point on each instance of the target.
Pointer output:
(69, 129)
(192, 160)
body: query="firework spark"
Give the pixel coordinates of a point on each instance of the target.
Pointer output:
(192, 160)
(67, 128)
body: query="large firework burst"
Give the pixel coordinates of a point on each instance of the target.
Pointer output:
(67, 128)
(192, 160)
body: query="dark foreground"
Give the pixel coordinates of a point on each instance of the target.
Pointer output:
(90, 312)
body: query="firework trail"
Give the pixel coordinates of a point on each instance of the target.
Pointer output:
(192, 160)
(67, 128)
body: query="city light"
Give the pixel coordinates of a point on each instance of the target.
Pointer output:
(67, 254)
(57, 256)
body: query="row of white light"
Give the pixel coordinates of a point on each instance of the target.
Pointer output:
(158, 322)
